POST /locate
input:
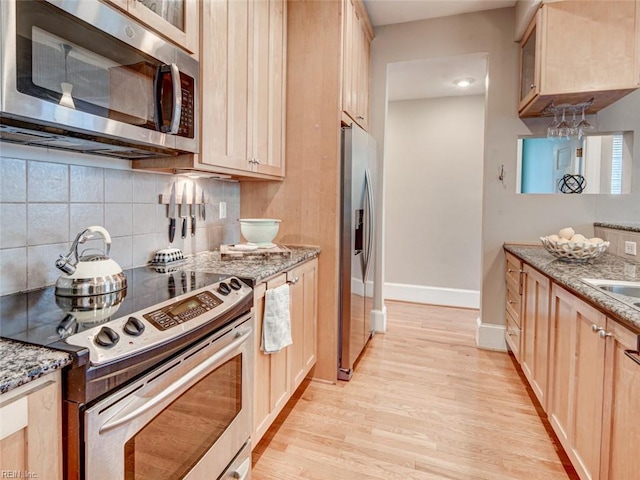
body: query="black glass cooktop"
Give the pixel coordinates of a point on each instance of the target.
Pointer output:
(40, 317)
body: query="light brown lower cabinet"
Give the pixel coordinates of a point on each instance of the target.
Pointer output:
(278, 375)
(595, 390)
(534, 353)
(31, 430)
(573, 356)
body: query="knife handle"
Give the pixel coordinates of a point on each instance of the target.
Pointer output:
(172, 229)
(184, 227)
(193, 225)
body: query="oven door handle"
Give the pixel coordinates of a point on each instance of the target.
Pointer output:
(242, 471)
(134, 409)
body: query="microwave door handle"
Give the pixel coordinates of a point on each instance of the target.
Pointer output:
(133, 411)
(177, 99)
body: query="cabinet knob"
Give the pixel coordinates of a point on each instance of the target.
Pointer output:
(595, 328)
(511, 302)
(603, 334)
(533, 85)
(294, 280)
(360, 117)
(257, 161)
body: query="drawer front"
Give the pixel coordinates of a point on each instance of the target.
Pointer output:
(513, 303)
(512, 336)
(513, 269)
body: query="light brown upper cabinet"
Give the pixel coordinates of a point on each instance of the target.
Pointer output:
(577, 50)
(243, 86)
(176, 20)
(357, 36)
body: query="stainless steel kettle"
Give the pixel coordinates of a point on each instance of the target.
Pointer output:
(89, 274)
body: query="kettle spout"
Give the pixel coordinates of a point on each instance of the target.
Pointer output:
(63, 264)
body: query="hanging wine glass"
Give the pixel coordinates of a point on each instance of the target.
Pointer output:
(564, 129)
(552, 129)
(583, 125)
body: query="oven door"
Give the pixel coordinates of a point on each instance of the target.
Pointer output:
(187, 419)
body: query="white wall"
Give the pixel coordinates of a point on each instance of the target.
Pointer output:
(433, 208)
(506, 216)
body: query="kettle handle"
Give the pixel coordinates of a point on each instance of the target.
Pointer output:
(88, 234)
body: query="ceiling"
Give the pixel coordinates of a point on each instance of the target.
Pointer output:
(386, 12)
(433, 77)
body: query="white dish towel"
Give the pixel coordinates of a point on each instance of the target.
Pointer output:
(276, 322)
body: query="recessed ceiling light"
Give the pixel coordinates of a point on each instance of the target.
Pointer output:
(464, 82)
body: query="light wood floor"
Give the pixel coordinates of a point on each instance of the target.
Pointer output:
(424, 403)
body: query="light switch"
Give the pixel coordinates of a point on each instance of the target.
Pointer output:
(630, 248)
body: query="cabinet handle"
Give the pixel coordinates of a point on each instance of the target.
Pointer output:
(595, 328)
(257, 161)
(533, 85)
(360, 117)
(603, 334)
(514, 271)
(511, 302)
(511, 334)
(294, 281)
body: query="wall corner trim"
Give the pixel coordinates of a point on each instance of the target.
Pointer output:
(378, 320)
(490, 336)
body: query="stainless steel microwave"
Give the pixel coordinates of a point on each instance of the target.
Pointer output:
(80, 75)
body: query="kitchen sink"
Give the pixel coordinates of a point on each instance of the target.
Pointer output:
(626, 292)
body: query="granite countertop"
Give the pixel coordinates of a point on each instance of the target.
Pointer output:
(21, 363)
(607, 266)
(629, 227)
(251, 268)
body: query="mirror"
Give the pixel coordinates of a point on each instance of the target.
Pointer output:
(599, 163)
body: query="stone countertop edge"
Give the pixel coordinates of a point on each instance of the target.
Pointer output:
(628, 227)
(21, 363)
(251, 268)
(568, 275)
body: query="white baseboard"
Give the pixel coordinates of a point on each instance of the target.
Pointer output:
(379, 320)
(490, 337)
(450, 297)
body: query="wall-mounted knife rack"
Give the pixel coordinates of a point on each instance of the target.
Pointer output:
(164, 199)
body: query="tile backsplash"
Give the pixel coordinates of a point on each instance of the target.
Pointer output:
(44, 205)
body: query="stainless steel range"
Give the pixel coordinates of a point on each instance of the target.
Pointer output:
(160, 383)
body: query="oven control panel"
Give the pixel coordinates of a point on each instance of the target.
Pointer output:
(183, 311)
(153, 326)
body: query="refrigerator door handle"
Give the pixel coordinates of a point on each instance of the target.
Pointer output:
(368, 219)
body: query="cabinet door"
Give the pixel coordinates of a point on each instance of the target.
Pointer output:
(529, 63)
(271, 384)
(355, 57)
(268, 75)
(577, 376)
(177, 20)
(31, 429)
(303, 281)
(225, 83)
(535, 331)
(621, 430)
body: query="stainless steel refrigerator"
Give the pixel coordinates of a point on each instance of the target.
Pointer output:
(356, 246)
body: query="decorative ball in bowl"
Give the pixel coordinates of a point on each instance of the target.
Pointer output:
(573, 247)
(259, 231)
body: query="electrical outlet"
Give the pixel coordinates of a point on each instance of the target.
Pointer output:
(630, 248)
(223, 210)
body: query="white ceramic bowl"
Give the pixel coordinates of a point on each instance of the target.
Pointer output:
(259, 231)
